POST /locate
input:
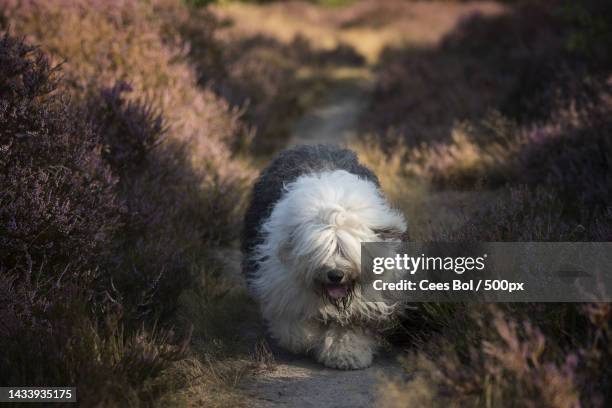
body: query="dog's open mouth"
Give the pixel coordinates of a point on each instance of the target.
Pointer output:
(335, 291)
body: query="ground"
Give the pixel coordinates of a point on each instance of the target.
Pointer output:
(300, 382)
(336, 119)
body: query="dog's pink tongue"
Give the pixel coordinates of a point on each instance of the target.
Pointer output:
(337, 291)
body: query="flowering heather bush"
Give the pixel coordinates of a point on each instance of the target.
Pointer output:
(495, 360)
(571, 153)
(58, 208)
(574, 156)
(530, 62)
(520, 215)
(553, 355)
(177, 176)
(178, 214)
(59, 219)
(529, 125)
(533, 354)
(104, 42)
(109, 209)
(131, 129)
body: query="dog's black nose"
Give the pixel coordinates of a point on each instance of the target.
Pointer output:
(335, 276)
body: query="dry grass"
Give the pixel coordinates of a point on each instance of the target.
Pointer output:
(127, 33)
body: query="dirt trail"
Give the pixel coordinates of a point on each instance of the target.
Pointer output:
(335, 121)
(301, 383)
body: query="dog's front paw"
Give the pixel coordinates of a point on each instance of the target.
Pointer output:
(347, 359)
(345, 351)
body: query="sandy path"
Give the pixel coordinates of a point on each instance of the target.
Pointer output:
(300, 382)
(335, 120)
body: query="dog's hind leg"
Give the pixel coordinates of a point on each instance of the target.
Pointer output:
(346, 348)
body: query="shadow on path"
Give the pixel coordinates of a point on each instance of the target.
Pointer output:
(337, 118)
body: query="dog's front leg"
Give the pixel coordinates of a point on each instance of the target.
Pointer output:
(346, 348)
(297, 336)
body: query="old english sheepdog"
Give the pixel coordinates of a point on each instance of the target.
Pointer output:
(309, 213)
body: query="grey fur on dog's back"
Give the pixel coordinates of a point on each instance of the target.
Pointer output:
(287, 167)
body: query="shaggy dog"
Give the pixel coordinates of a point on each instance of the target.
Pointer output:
(309, 212)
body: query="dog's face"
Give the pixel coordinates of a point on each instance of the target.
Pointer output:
(321, 224)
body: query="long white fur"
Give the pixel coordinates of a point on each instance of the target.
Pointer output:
(320, 221)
